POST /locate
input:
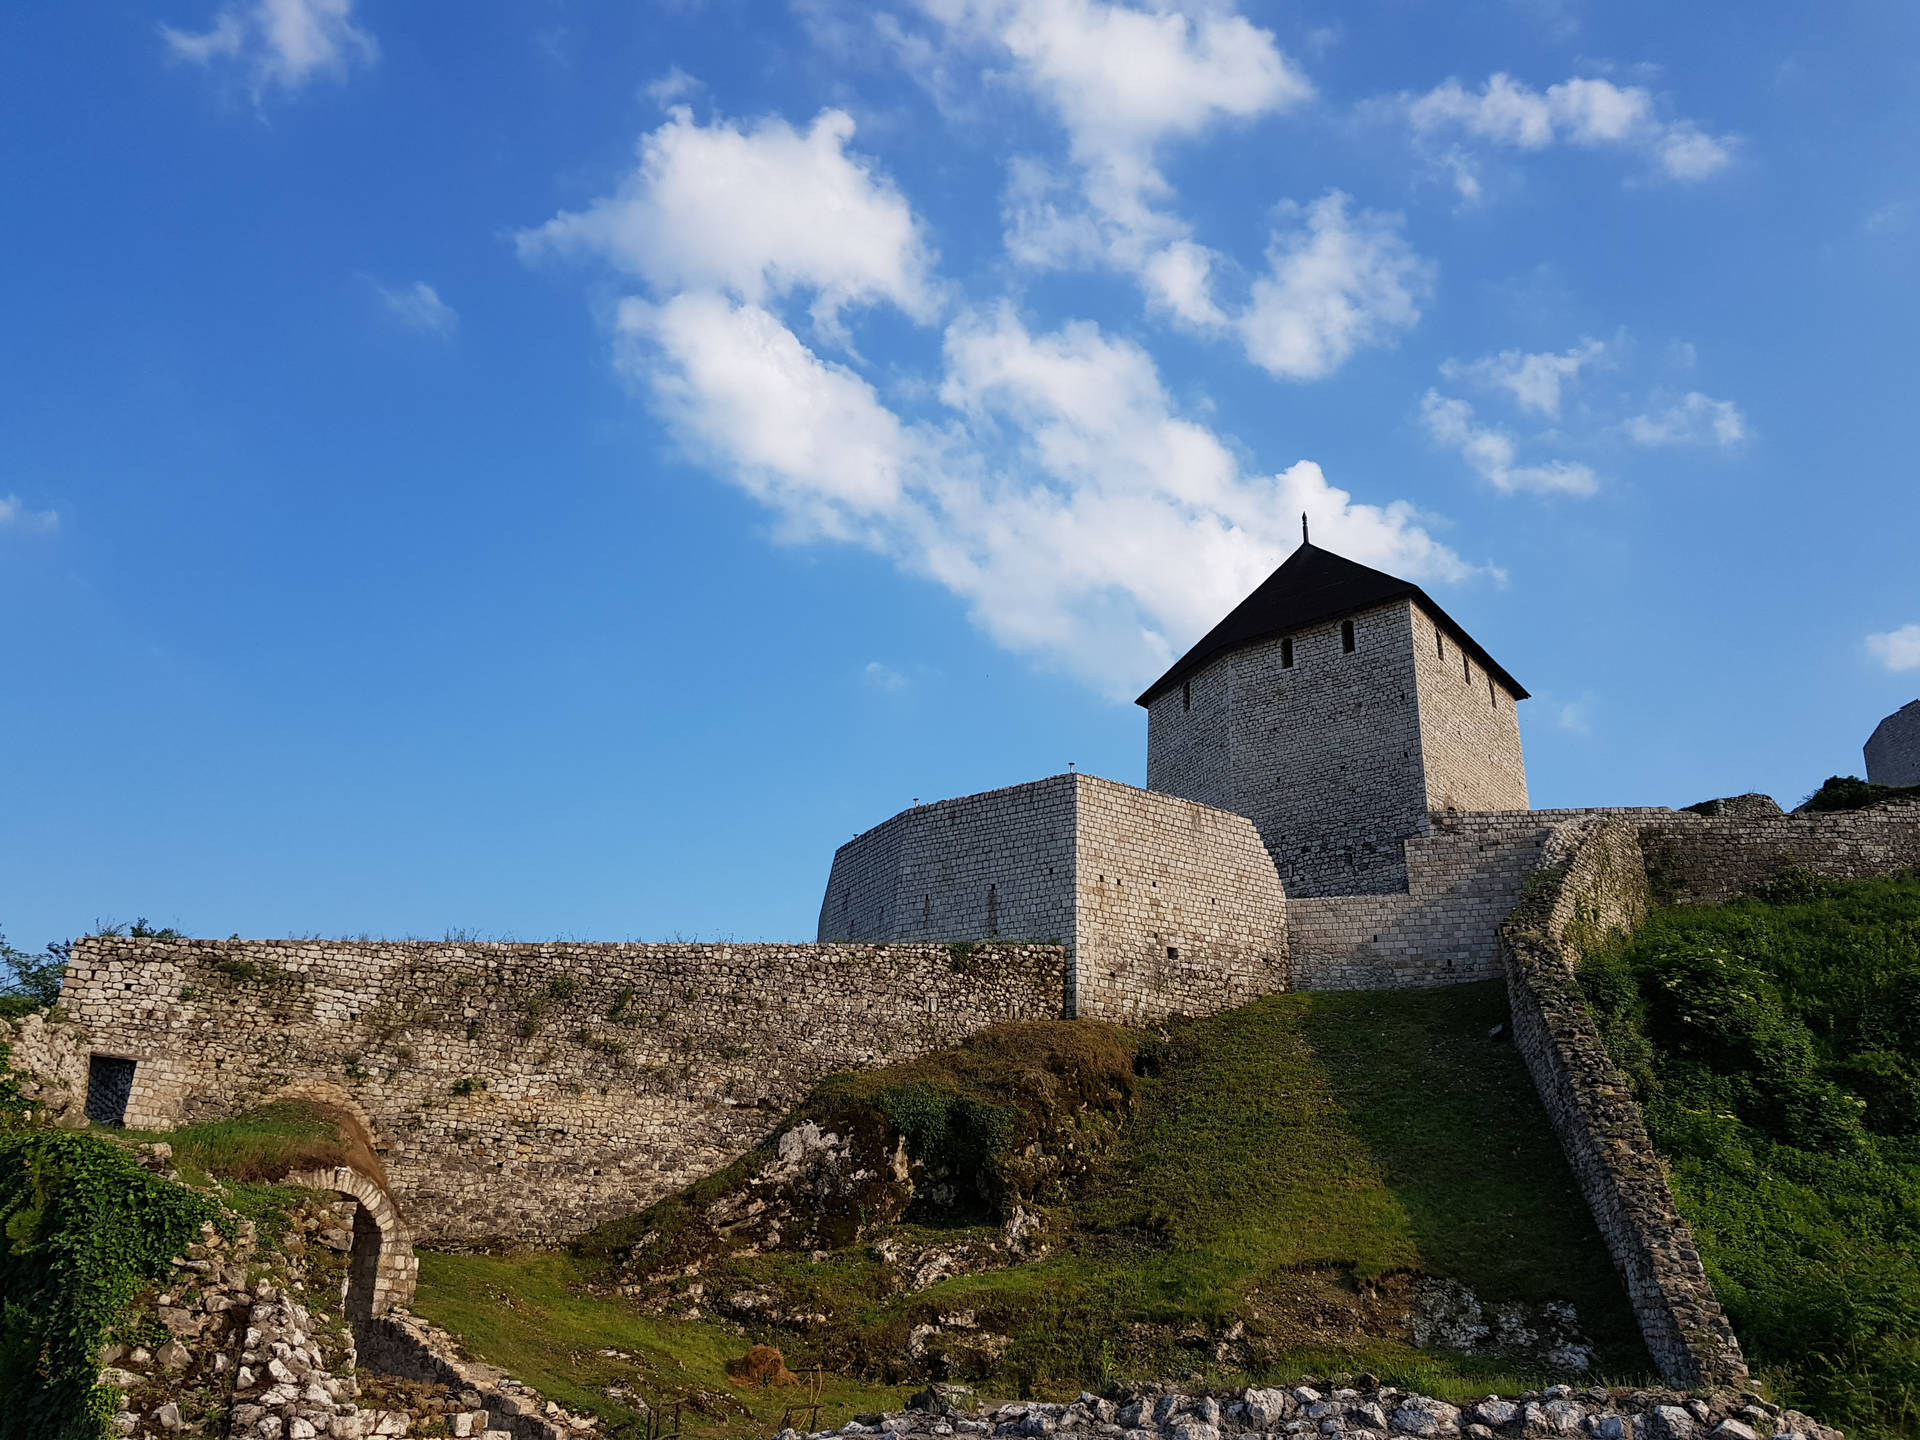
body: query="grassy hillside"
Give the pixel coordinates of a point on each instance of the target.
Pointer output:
(1253, 1194)
(1775, 1046)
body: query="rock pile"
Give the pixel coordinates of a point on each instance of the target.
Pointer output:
(1363, 1410)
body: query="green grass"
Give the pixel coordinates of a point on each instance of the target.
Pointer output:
(1303, 1153)
(266, 1143)
(1775, 1046)
(534, 1315)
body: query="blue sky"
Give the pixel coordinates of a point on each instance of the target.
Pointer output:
(559, 471)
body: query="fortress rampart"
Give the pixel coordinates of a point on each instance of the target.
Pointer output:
(1164, 906)
(526, 1092)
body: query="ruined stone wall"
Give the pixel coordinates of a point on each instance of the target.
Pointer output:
(1469, 728)
(1698, 860)
(1593, 884)
(1892, 752)
(1164, 906)
(528, 1092)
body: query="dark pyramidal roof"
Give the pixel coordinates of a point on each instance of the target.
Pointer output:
(1313, 586)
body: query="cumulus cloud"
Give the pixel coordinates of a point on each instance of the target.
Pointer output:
(1535, 381)
(1335, 283)
(1897, 649)
(1044, 477)
(1694, 419)
(419, 307)
(1586, 112)
(1493, 452)
(756, 212)
(1054, 489)
(1124, 82)
(808, 437)
(15, 516)
(283, 43)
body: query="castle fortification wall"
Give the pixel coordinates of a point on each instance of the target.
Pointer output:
(1463, 878)
(527, 1092)
(1178, 909)
(1595, 885)
(1700, 861)
(1165, 906)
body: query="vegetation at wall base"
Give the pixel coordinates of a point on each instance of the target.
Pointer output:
(85, 1228)
(1774, 1044)
(1253, 1196)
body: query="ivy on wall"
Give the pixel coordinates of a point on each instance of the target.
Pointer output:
(84, 1229)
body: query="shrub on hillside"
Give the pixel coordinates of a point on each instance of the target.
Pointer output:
(1775, 1046)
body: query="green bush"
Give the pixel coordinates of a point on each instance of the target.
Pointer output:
(85, 1228)
(1775, 1046)
(1849, 792)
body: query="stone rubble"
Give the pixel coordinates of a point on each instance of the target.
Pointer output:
(248, 1355)
(1361, 1410)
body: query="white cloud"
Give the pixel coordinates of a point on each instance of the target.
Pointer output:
(15, 516)
(1897, 649)
(758, 213)
(884, 677)
(1493, 453)
(808, 437)
(419, 307)
(1334, 285)
(282, 43)
(676, 84)
(1694, 419)
(1124, 82)
(1054, 489)
(1590, 113)
(1534, 381)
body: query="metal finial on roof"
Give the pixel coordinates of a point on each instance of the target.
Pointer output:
(1303, 527)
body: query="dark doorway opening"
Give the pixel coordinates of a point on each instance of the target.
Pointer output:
(109, 1087)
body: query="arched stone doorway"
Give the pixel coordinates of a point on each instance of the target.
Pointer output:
(382, 1270)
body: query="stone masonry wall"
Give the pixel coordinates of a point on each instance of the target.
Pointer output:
(1469, 728)
(1695, 860)
(1463, 879)
(1322, 755)
(528, 1092)
(1892, 752)
(1164, 906)
(1178, 909)
(1594, 883)
(997, 865)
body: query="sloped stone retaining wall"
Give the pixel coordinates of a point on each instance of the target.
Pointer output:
(1593, 883)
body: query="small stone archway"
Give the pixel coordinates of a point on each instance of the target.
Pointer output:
(382, 1270)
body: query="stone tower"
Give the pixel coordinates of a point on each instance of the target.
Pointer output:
(1337, 708)
(1893, 750)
